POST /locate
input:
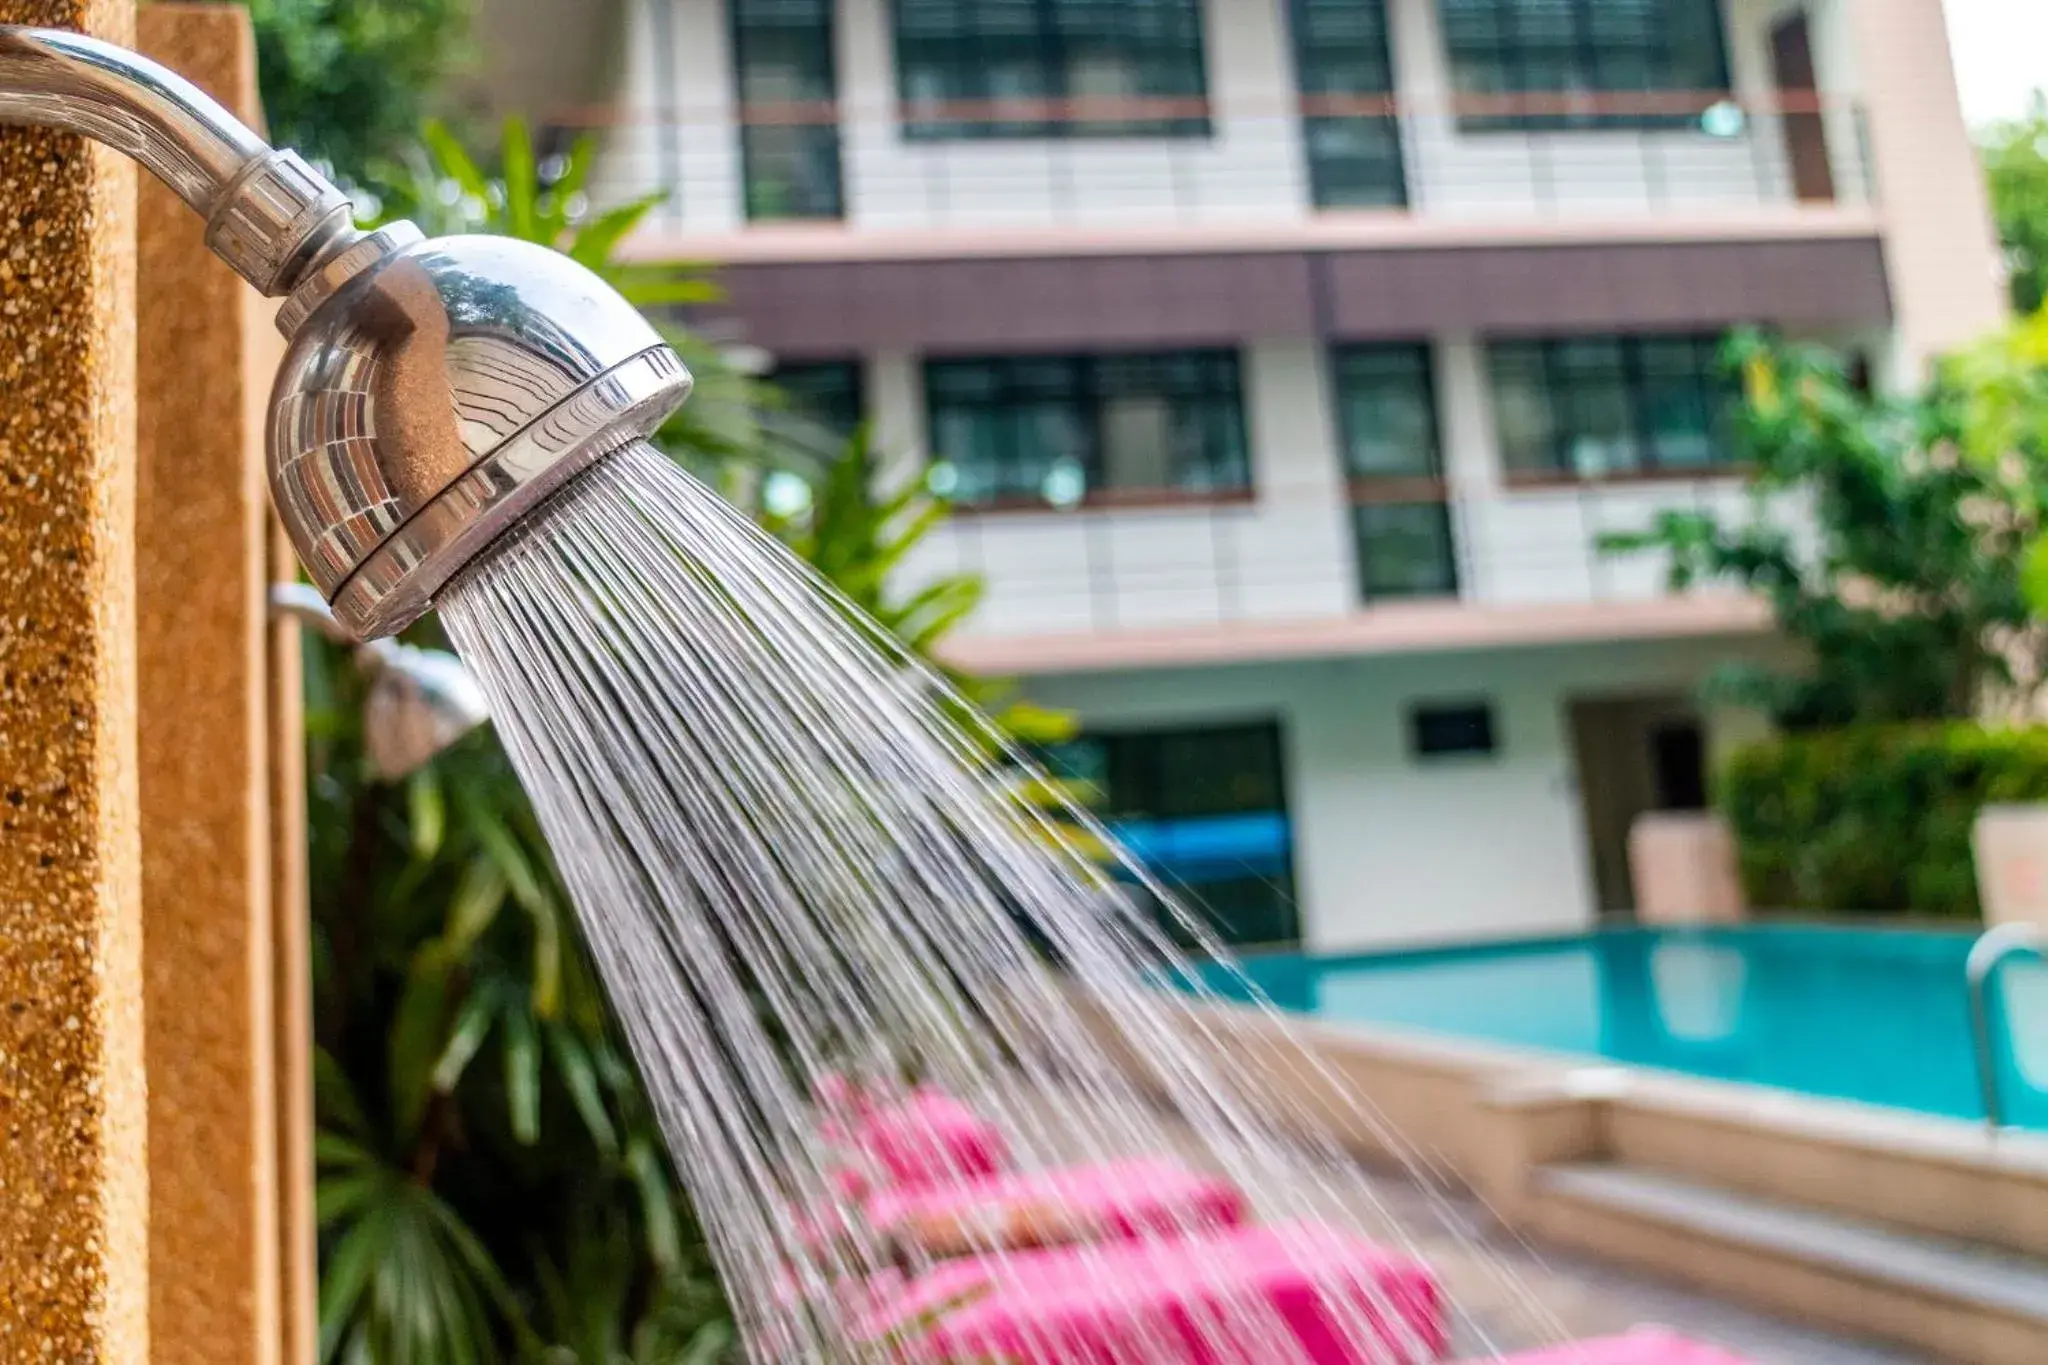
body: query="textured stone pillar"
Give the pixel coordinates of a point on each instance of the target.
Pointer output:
(206, 354)
(291, 907)
(74, 1239)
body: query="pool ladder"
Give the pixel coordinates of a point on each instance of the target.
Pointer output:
(1992, 948)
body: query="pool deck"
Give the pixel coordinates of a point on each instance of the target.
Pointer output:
(1474, 1255)
(1927, 1235)
(1509, 1295)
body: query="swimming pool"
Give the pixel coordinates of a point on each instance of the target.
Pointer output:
(1875, 1015)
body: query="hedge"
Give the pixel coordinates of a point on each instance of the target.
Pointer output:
(1874, 818)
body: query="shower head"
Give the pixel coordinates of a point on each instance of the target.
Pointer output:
(433, 395)
(433, 392)
(420, 702)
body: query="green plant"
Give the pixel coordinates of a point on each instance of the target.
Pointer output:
(1874, 817)
(2016, 164)
(1910, 601)
(857, 533)
(483, 1137)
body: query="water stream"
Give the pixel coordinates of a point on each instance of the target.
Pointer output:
(802, 869)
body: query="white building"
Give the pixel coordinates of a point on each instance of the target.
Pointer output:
(1286, 359)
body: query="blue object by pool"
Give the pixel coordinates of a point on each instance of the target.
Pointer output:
(1880, 1016)
(1254, 844)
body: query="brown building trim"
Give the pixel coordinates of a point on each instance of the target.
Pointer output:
(1397, 488)
(1608, 287)
(1536, 479)
(814, 309)
(1112, 500)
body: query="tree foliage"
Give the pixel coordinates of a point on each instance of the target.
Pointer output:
(1910, 593)
(349, 82)
(2016, 162)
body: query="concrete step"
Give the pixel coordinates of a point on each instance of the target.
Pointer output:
(1957, 1301)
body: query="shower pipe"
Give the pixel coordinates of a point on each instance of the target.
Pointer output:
(433, 391)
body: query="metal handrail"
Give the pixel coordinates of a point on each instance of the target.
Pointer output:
(1992, 948)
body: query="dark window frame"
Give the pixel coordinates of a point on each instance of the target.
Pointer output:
(816, 139)
(810, 421)
(1230, 477)
(1511, 54)
(1449, 715)
(1285, 907)
(1372, 172)
(1051, 44)
(1396, 502)
(1557, 465)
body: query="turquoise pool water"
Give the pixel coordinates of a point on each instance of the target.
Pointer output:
(1880, 1016)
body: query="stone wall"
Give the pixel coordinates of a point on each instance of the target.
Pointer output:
(73, 1152)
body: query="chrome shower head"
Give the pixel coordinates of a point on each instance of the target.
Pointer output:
(420, 702)
(433, 391)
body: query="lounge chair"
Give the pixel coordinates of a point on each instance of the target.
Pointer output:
(1344, 1300)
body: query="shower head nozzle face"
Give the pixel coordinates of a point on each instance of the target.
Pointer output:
(431, 400)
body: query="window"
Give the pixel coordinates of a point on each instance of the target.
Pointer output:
(1341, 58)
(1440, 730)
(821, 406)
(965, 67)
(1061, 431)
(789, 94)
(1553, 50)
(826, 394)
(812, 415)
(1386, 401)
(1386, 406)
(1588, 407)
(1404, 550)
(1205, 812)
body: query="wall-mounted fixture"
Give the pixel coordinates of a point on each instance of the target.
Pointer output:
(433, 392)
(421, 700)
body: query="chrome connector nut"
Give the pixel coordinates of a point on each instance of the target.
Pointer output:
(276, 219)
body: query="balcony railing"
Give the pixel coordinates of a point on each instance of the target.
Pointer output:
(1104, 161)
(1300, 555)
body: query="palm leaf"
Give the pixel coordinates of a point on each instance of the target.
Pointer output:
(522, 1075)
(522, 183)
(453, 161)
(418, 1038)
(465, 1039)
(600, 237)
(579, 1078)
(428, 809)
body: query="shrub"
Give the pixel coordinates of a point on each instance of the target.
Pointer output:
(1874, 818)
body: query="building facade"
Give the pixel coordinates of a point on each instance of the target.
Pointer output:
(1285, 361)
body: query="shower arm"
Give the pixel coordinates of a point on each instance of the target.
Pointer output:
(269, 215)
(431, 394)
(303, 603)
